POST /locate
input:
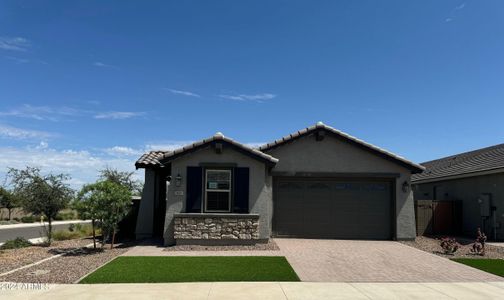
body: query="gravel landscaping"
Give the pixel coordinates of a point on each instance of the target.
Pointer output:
(431, 245)
(269, 246)
(15, 258)
(68, 268)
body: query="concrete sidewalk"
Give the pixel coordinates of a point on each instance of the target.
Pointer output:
(260, 290)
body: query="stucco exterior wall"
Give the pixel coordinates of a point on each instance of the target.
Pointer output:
(468, 191)
(332, 155)
(144, 226)
(260, 186)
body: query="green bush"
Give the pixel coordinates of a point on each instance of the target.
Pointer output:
(29, 219)
(64, 216)
(8, 222)
(16, 243)
(62, 235)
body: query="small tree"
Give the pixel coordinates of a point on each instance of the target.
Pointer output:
(87, 204)
(41, 194)
(122, 178)
(8, 201)
(107, 202)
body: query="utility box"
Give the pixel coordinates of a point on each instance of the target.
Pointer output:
(485, 201)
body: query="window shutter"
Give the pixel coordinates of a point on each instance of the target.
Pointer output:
(241, 190)
(194, 189)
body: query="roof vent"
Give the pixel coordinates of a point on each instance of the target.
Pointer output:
(218, 134)
(320, 123)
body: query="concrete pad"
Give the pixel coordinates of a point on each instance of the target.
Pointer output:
(149, 250)
(497, 284)
(398, 291)
(263, 291)
(319, 290)
(468, 290)
(123, 291)
(246, 290)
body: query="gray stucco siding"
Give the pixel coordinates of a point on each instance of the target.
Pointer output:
(259, 186)
(468, 190)
(144, 226)
(332, 155)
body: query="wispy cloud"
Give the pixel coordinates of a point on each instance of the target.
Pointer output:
(183, 93)
(15, 133)
(104, 65)
(454, 12)
(119, 115)
(17, 60)
(243, 97)
(61, 113)
(42, 113)
(14, 43)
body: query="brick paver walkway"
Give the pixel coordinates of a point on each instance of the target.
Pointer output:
(372, 261)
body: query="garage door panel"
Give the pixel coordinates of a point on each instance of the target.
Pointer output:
(322, 208)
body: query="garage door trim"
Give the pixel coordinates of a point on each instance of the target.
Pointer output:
(349, 177)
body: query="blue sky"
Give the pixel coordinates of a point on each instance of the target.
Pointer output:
(84, 84)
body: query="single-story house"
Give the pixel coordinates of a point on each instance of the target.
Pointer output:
(476, 180)
(318, 182)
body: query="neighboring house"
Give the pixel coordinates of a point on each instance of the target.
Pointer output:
(476, 180)
(315, 183)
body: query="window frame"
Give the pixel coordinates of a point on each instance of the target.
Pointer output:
(206, 190)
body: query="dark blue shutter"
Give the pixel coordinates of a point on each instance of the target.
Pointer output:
(241, 190)
(194, 188)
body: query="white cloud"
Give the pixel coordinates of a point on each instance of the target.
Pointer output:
(42, 113)
(123, 151)
(104, 65)
(461, 6)
(243, 97)
(14, 43)
(454, 12)
(17, 60)
(82, 166)
(183, 93)
(15, 133)
(55, 114)
(118, 115)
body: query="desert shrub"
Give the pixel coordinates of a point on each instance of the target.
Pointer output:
(28, 219)
(6, 222)
(64, 216)
(16, 243)
(449, 245)
(62, 235)
(478, 246)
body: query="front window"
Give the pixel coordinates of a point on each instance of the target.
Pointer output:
(218, 190)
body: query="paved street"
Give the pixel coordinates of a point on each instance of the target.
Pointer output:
(30, 231)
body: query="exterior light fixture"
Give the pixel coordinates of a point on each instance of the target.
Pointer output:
(178, 180)
(405, 186)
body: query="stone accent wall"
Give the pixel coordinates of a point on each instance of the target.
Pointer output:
(216, 227)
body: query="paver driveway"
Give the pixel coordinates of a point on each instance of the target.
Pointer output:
(372, 261)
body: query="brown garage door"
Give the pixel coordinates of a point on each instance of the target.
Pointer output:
(330, 208)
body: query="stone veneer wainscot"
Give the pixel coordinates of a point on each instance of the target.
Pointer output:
(194, 226)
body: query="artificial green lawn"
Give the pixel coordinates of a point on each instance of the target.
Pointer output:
(494, 266)
(141, 269)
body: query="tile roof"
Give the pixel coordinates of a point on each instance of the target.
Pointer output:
(150, 159)
(411, 165)
(154, 158)
(484, 159)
